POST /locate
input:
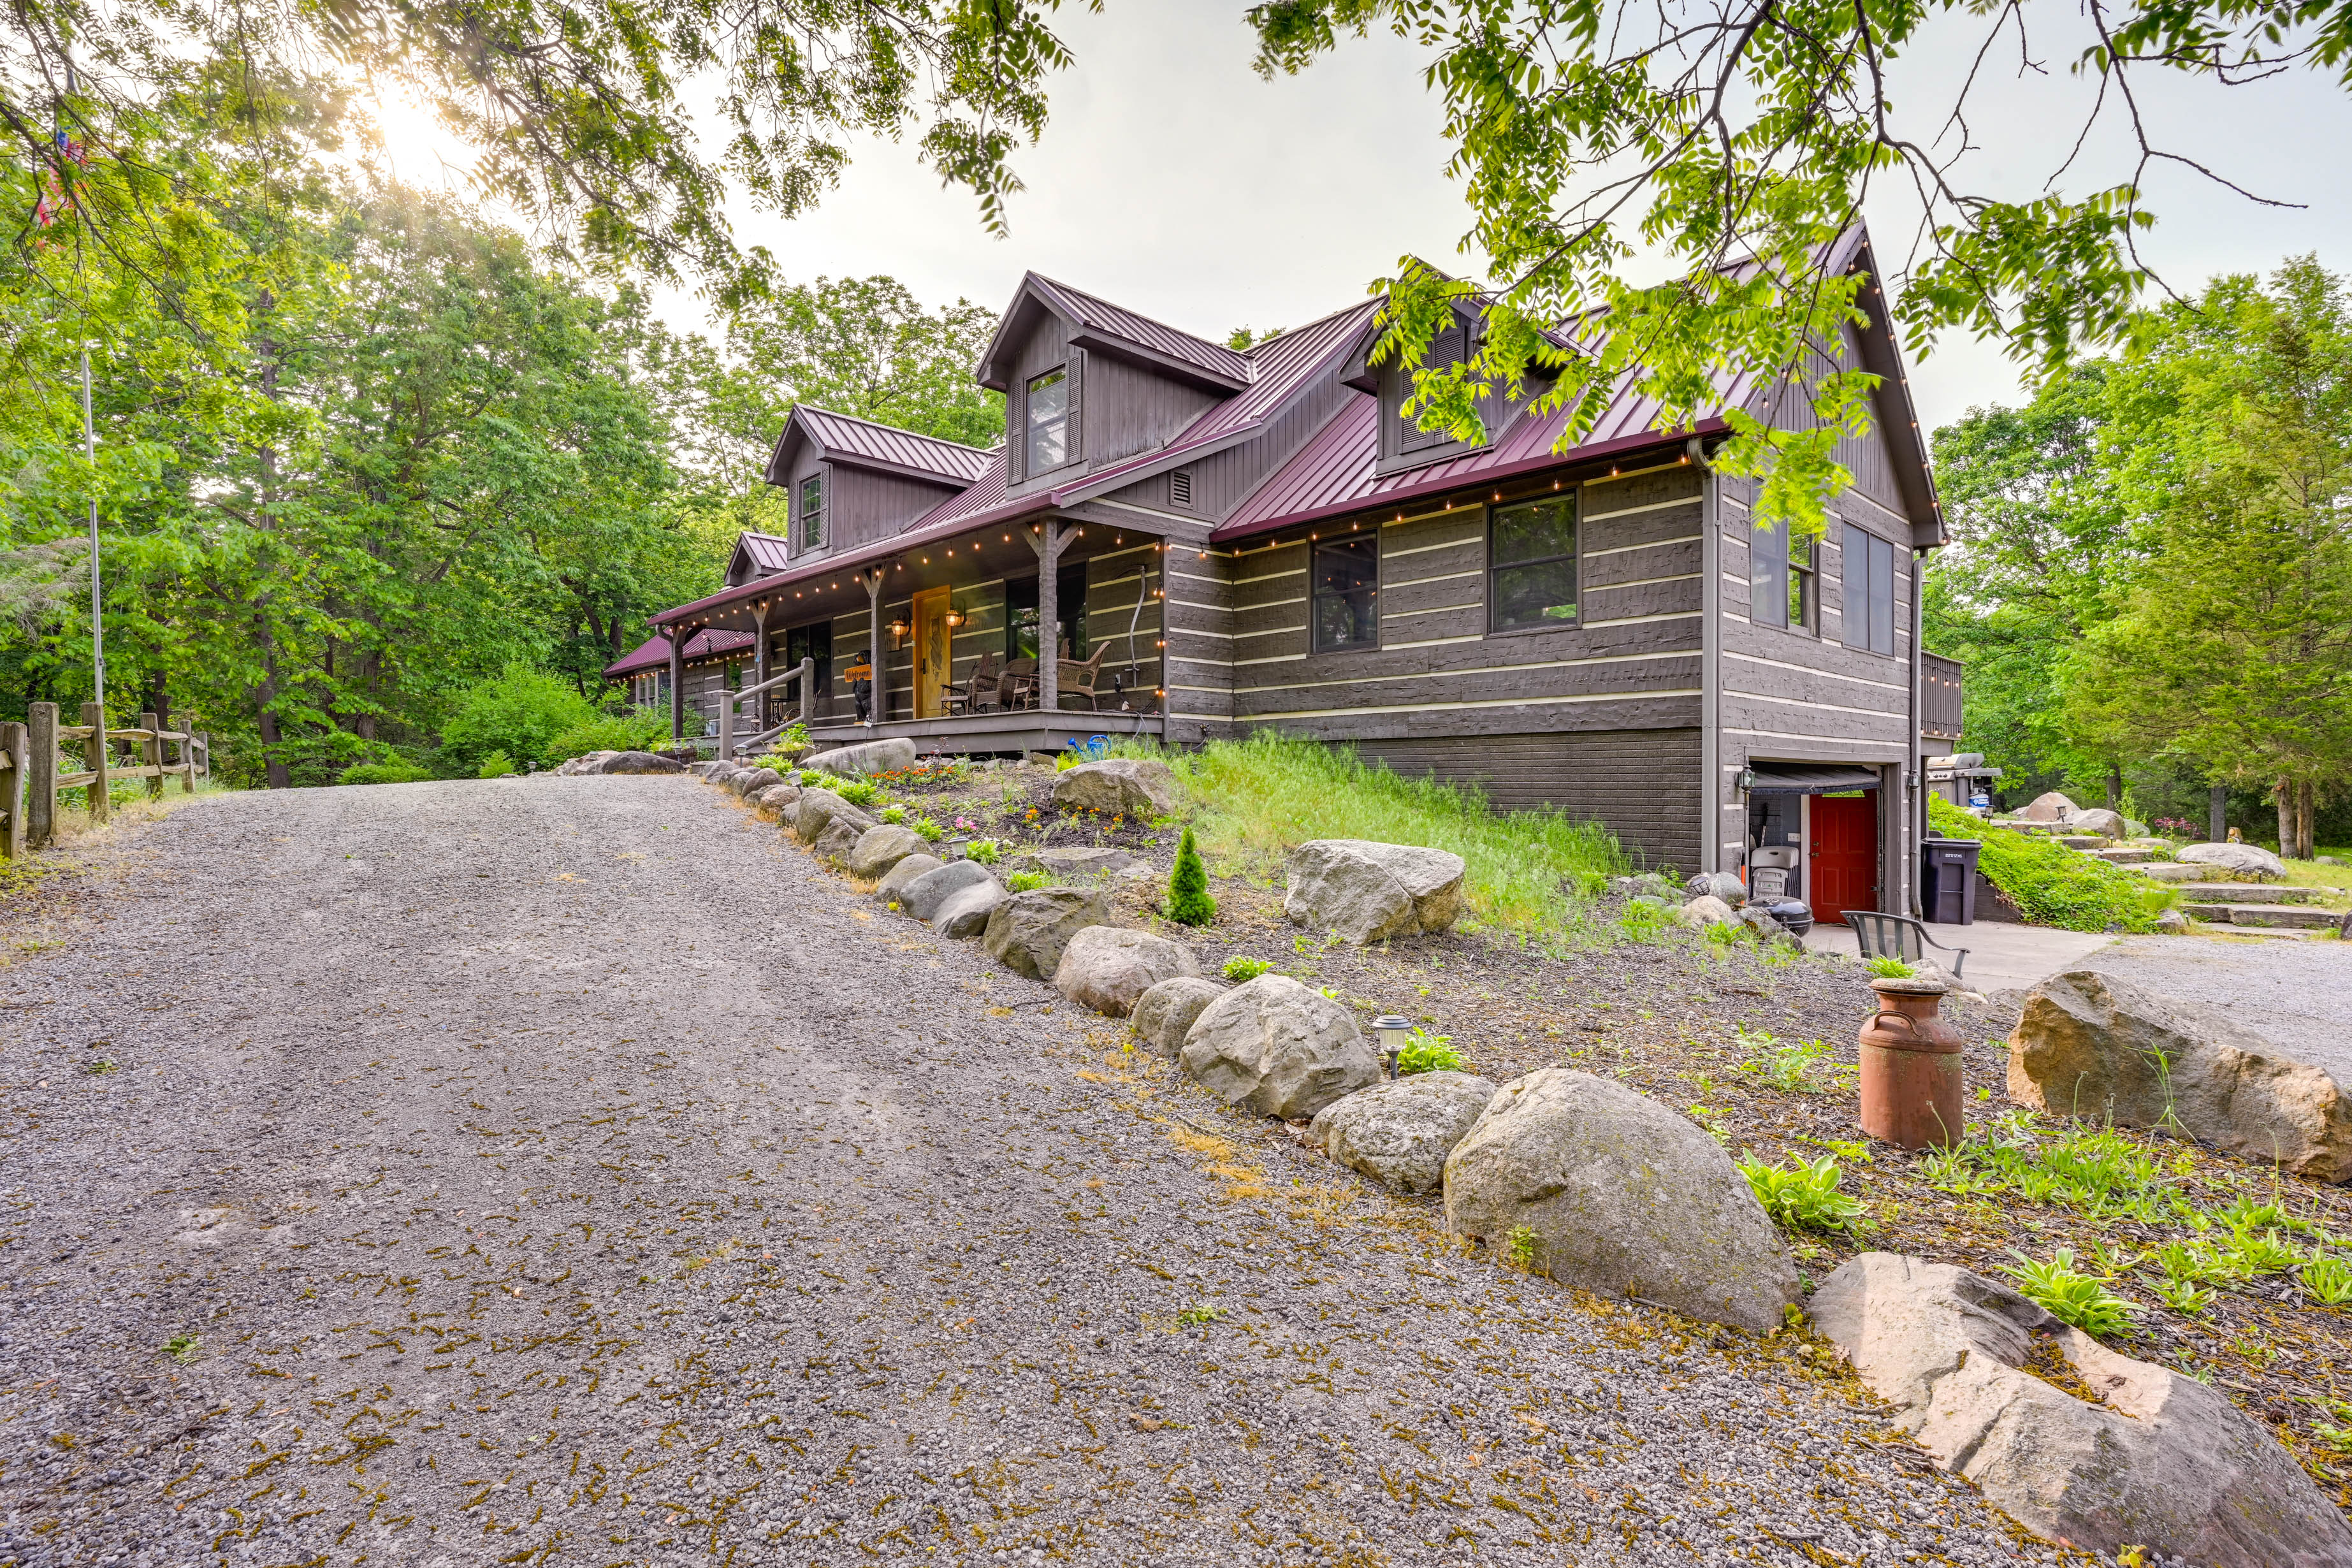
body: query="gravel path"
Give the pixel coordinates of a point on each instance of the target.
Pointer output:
(566, 1170)
(2296, 992)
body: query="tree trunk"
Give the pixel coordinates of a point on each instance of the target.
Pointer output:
(2306, 811)
(2115, 788)
(2217, 813)
(2283, 797)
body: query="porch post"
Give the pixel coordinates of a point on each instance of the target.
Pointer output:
(1047, 542)
(760, 612)
(677, 635)
(880, 710)
(808, 698)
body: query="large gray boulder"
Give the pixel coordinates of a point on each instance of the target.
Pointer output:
(892, 889)
(1400, 1133)
(2099, 820)
(838, 841)
(1108, 968)
(1279, 1049)
(1164, 1013)
(747, 782)
(1366, 892)
(1707, 911)
(1721, 885)
(925, 894)
(2160, 1461)
(964, 913)
(820, 809)
(2092, 1046)
(1121, 786)
(589, 762)
(1077, 863)
(881, 846)
(2242, 859)
(866, 757)
(776, 796)
(1622, 1196)
(2051, 807)
(641, 762)
(1027, 931)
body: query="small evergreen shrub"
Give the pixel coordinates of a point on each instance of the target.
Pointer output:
(1189, 903)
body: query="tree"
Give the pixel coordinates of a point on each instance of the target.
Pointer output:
(1189, 902)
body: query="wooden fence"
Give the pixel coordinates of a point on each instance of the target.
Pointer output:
(30, 778)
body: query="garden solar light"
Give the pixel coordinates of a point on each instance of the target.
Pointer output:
(1390, 1031)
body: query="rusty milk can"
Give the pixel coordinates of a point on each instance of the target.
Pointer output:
(1910, 1067)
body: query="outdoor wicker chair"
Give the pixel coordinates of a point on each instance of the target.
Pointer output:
(968, 697)
(1900, 936)
(1077, 679)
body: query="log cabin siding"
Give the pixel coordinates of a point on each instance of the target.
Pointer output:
(1199, 654)
(1130, 409)
(1641, 784)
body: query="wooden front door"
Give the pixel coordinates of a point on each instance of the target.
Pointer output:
(1842, 858)
(934, 652)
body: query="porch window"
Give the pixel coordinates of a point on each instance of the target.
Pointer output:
(1049, 420)
(1531, 558)
(1347, 594)
(1780, 579)
(1021, 615)
(811, 507)
(1869, 591)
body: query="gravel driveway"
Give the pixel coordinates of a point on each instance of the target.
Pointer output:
(567, 1170)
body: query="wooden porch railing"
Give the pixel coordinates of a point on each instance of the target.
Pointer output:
(805, 674)
(30, 778)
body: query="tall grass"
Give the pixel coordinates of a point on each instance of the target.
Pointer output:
(1526, 870)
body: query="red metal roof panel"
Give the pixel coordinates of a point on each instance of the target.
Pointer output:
(847, 434)
(654, 652)
(1091, 311)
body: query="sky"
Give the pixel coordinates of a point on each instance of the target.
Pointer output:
(1174, 180)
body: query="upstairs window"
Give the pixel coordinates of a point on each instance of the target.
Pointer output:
(1448, 348)
(1869, 591)
(1531, 560)
(1048, 410)
(1781, 580)
(811, 535)
(1347, 594)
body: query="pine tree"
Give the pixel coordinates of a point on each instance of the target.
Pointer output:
(1188, 886)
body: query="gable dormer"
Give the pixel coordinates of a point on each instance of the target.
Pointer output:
(1088, 383)
(757, 555)
(1403, 444)
(848, 481)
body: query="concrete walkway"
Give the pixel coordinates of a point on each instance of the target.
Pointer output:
(2001, 956)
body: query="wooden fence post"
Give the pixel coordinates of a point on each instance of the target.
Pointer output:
(150, 755)
(202, 740)
(11, 838)
(40, 773)
(94, 756)
(188, 753)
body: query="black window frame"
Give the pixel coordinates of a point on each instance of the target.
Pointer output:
(1867, 572)
(1574, 555)
(1783, 589)
(1341, 546)
(1059, 422)
(808, 521)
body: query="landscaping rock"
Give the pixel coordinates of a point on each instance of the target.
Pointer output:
(1721, 885)
(1279, 1049)
(895, 879)
(2159, 1460)
(923, 896)
(2051, 807)
(1165, 1013)
(776, 796)
(867, 757)
(2100, 820)
(2092, 1046)
(1107, 968)
(838, 840)
(882, 846)
(1707, 911)
(749, 782)
(964, 913)
(1121, 786)
(1365, 892)
(1077, 863)
(1649, 883)
(2245, 859)
(2172, 922)
(1027, 931)
(1400, 1133)
(1622, 1196)
(819, 809)
(589, 762)
(641, 762)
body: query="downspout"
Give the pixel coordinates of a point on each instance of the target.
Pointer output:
(1710, 722)
(1914, 805)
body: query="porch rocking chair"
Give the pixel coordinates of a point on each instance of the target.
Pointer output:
(967, 699)
(1077, 679)
(1017, 687)
(1900, 936)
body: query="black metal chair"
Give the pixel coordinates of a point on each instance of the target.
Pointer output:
(1900, 936)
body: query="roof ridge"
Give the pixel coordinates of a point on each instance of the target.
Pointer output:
(1164, 326)
(893, 429)
(1307, 326)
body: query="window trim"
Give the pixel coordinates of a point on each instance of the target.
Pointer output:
(1030, 466)
(1315, 594)
(1807, 578)
(802, 544)
(1573, 498)
(1858, 611)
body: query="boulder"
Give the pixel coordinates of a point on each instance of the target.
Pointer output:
(922, 897)
(1027, 931)
(1721, 885)
(2092, 1046)
(776, 796)
(2135, 828)
(1622, 1196)
(893, 887)
(1703, 912)
(705, 770)
(1995, 1389)
(881, 846)
(1400, 1133)
(2051, 807)
(1279, 1049)
(838, 840)
(2100, 820)
(819, 809)
(749, 782)
(867, 757)
(2243, 859)
(2172, 922)
(1165, 1013)
(1366, 892)
(1107, 968)
(589, 763)
(641, 762)
(1649, 884)
(965, 912)
(1121, 786)
(1078, 864)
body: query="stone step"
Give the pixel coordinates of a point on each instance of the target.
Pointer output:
(2121, 857)
(2275, 915)
(2083, 840)
(2171, 871)
(2248, 893)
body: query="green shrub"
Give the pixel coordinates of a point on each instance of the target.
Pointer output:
(1024, 882)
(1800, 1196)
(2073, 1297)
(813, 778)
(1428, 1053)
(1189, 903)
(639, 730)
(2053, 885)
(894, 815)
(1242, 970)
(520, 711)
(497, 766)
(987, 851)
(398, 771)
(858, 792)
(930, 832)
(1884, 968)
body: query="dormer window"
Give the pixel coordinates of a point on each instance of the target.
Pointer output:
(1449, 347)
(1048, 423)
(810, 534)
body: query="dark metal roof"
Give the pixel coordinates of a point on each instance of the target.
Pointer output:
(1089, 310)
(844, 438)
(766, 552)
(654, 652)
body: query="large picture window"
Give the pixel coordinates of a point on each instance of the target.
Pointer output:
(812, 520)
(1048, 410)
(1780, 579)
(1347, 594)
(1531, 564)
(1869, 591)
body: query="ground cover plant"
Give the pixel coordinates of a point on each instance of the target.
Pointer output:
(2051, 884)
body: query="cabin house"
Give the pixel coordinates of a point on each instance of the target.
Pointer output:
(1184, 541)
